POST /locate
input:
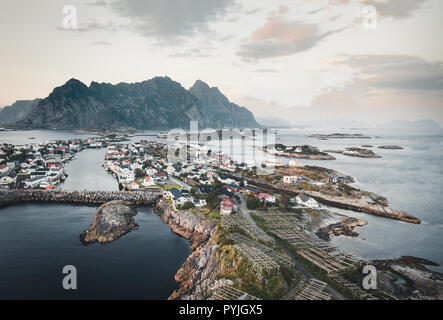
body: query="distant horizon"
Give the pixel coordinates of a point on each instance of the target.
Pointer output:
(310, 60)
(272, 118)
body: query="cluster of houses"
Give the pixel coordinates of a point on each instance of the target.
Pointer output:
(39, 165)
(282, 150)
(34, 165)
(145, 164)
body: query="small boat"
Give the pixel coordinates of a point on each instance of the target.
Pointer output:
(47, 186)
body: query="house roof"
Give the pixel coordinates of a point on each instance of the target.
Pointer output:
(176, 193)
(303, 197)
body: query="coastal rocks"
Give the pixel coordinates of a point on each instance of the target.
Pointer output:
(194, 276)
(201, 263)
(343, 228)
(184, 223)
(339, 136)
(421, 283)
(356, 152)
(111, 221)
(391, 147)
(364, 204)
(298, 152)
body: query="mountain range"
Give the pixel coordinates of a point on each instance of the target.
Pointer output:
(159, 103)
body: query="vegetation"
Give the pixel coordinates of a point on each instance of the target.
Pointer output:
(187, 205)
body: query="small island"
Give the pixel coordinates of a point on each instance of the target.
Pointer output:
(339, 136)
(111, 221)
(298, 152)
(356, 152)
(391, 147)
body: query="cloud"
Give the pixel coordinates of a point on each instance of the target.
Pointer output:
(266, 70)
(282, 38)
(395, 8)
(401, 72)
(98, 3)
(93, 25)
(191, 53)
(101, 43)
(171, 19)
(384, 88)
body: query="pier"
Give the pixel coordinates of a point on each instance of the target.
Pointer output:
(142, 197)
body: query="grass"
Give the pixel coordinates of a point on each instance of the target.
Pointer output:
(172, 186)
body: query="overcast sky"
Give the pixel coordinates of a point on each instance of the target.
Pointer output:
(299, 60)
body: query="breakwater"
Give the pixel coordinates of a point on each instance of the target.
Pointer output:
(142, 197)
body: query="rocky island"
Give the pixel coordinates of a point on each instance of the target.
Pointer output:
(298, 152)
(339, 136)
(111, 221)
(356, 152)
(391, 147)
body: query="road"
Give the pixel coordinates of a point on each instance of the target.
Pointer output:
(305, 273)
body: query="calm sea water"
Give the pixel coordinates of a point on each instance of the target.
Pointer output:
(38, 240)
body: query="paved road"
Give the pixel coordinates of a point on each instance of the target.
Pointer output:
(305, 273)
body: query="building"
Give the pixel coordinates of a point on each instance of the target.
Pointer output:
(177, 196)
(226, 206)
(3, 168)
(133, 186)
(148, 182)
(291, 179)
(304, 200)
(267, 197)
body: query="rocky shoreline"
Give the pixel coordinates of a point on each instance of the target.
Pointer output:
(356, 152)
(344, 227)
(345, 203)
(202, 261)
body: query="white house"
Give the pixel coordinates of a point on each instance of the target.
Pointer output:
(148, 182)
(304, 200)
(170, 170)
(177, 197)
(151, 171)
(291, 179)
(134, 186)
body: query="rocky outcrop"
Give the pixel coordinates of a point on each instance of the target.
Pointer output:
(201, 233)
(184, 223)
(391, 147)
(356, 152)
(344, 227)
(111, 221)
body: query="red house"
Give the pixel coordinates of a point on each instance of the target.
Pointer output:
(226, 206)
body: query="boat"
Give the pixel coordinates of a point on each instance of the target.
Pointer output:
(47, 186)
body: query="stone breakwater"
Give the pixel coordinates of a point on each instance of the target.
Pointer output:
(145, 197)
(202, 262)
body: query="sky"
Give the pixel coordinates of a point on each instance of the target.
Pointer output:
(297, 60)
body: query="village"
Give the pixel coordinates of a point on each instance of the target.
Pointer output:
(270, 226)
(42, 165)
